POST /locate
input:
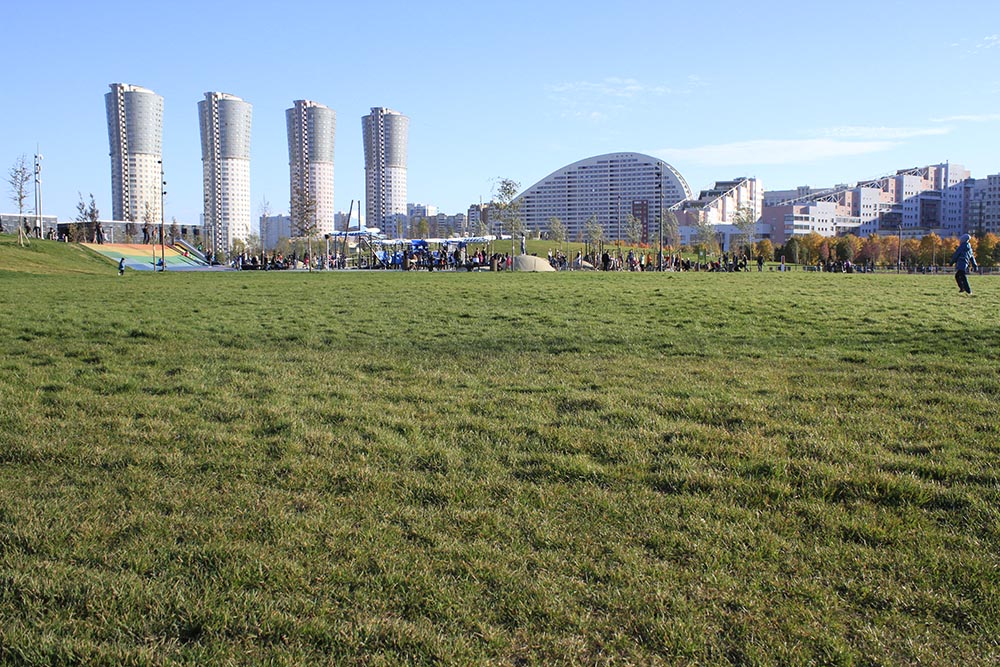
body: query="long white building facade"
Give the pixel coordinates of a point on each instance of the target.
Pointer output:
(720, 207)
(386, 135)
(311, 132)
(225, 157)
(608, 187)
(135, 136)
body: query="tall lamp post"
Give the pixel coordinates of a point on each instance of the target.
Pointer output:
(659, 188)
(38, 191)
(619, 226)
(163, 241)
(899, 248)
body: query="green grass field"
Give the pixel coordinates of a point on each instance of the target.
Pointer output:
(434, 468)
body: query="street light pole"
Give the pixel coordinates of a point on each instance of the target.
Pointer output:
(659, 187)
(619, 226)
(38, 190)
(163, 247)
(899, 248)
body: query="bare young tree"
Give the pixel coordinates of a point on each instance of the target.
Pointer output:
(304, 223)
(130, 228)
(557, 230)
(148, 219)
(745, 221)
(264, 212)
(89, 218)
(704, 235)
(592, 230)
(508, 206)
(671, 230)
(633, 229)
(18, 177)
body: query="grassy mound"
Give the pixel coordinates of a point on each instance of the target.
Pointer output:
(471, 468)
(49, 257)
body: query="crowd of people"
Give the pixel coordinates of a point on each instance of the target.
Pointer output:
(462, 259)
(411, 259)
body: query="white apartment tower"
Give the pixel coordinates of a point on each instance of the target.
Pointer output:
(606, 188)
(386, 134)
(311, 130)
(135, 135)
(225, 158)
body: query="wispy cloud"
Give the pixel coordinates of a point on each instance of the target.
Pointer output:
(970, 48)
(610, 87)
(596, 101)
(882, 133)
(773, 151)
(969, 118)
(988, 42)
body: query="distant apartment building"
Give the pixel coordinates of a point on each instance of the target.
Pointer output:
(352, 219)
(459, 224)
(225, 158)
(477, 219)
(983, 215)
(421, 210)
(913, 202)
(311, 133)
(605, 188)
(920, 199)
(386, 135)
(719, 207)
(135, 135)
(273, 228)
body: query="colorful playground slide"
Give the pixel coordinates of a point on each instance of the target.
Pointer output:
(141, 257)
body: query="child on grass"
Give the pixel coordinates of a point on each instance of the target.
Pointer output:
(963, 258)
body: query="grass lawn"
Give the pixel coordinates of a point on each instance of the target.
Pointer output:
(434, 468)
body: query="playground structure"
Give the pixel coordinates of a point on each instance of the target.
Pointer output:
(142, 257)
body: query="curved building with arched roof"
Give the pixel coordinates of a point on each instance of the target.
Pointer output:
(608, 187)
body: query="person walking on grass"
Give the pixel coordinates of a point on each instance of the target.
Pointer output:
(121, 267)
(964, 258)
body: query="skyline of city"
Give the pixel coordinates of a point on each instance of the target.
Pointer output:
(718, 92)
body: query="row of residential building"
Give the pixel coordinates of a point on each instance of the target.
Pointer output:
(606, 189)
(942, 198)
(135, 131)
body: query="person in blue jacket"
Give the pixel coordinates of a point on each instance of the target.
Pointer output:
(963, 259)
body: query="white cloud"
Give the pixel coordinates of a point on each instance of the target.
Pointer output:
(971, 48)
(773, 151)
(610, 87)
(882, 133)
(969, 118)
(597, 101)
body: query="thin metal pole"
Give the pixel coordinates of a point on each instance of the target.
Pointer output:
(38, 189)
(899, 248)
(163, 241)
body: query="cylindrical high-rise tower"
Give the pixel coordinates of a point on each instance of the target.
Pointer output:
(225, 157)
(311, 130)
(386, 135)
(135, 134)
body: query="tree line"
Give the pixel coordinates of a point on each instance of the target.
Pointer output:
(929, 250)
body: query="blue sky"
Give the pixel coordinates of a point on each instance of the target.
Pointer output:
(792, 93)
